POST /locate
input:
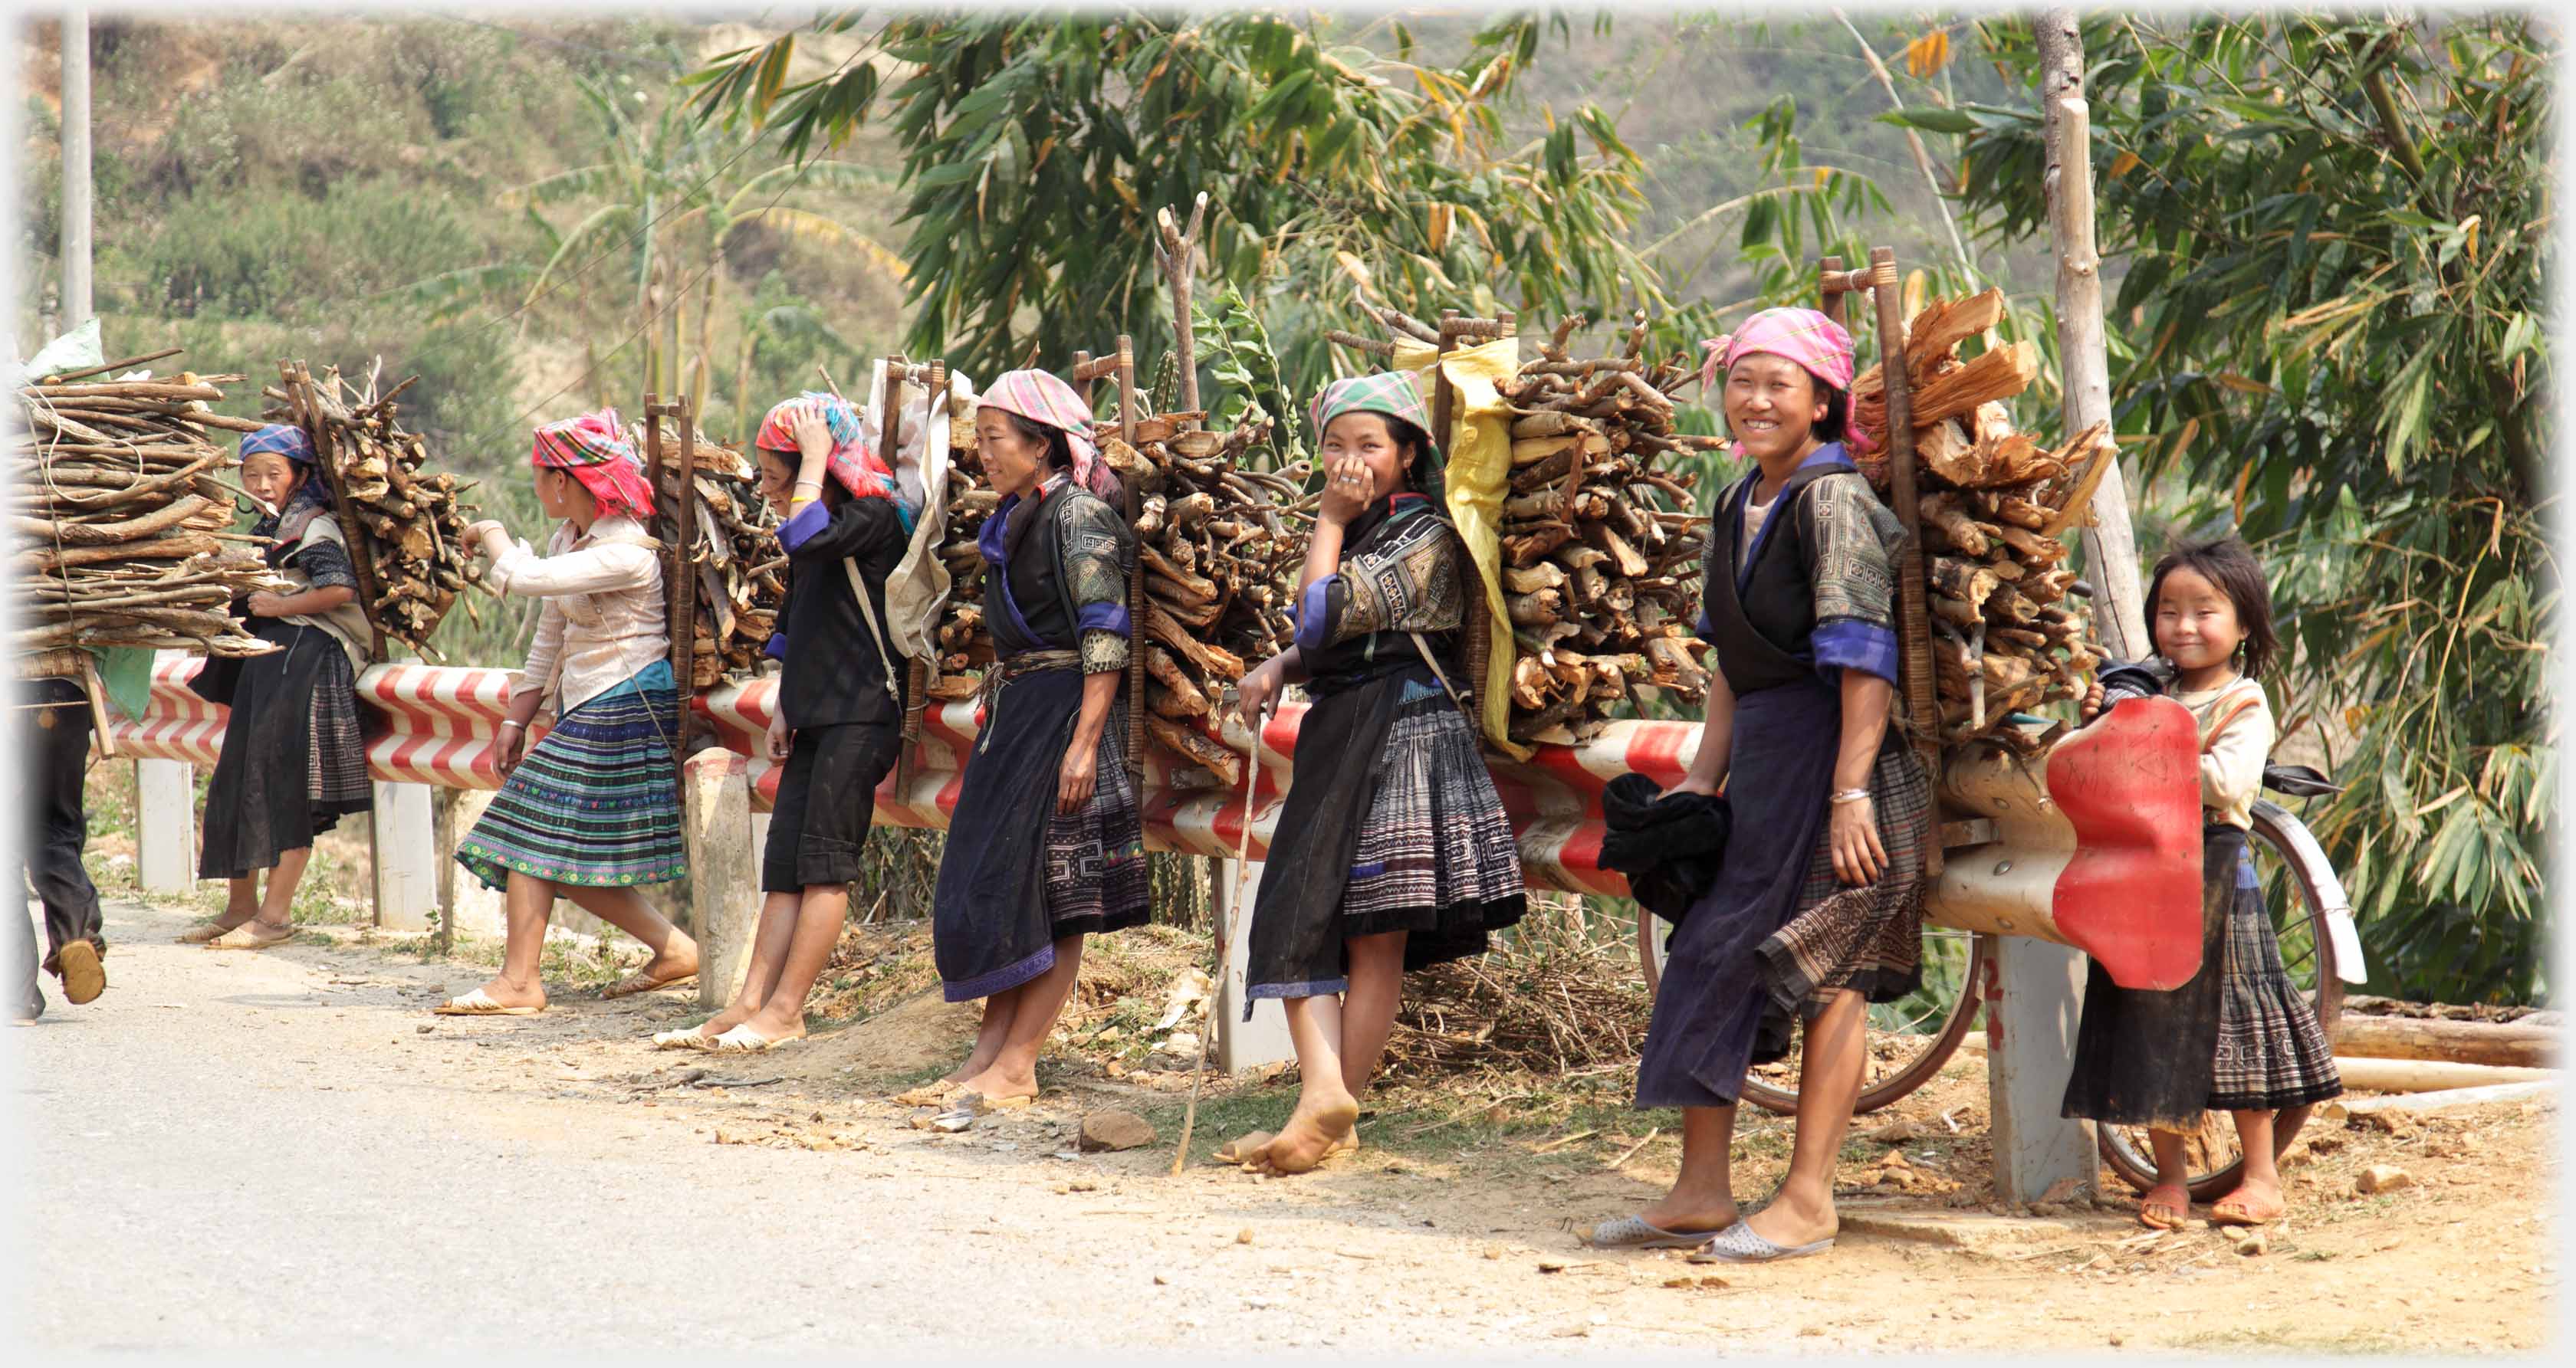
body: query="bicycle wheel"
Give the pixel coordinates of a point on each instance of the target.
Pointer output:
(2289, 869)
(1909, 1039)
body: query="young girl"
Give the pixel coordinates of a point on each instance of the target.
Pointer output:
(838, 720)
(1046, 845)
(594, 809)
(2237, 1037)
(1392, 851)
(293, 763)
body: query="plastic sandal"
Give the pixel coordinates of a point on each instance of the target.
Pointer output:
(480, 1003)
(638, 982)
(1739, 1244)
(688, 1039)
(252, 935)
(743, 1040)
(1636, 1232)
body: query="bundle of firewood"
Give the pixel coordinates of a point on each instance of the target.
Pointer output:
(406, 543)
(122, 525)
(741, 569)
(1220, 546)
(2010, 629)
(1600, 549)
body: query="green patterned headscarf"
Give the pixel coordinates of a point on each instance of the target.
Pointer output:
(1393, 394)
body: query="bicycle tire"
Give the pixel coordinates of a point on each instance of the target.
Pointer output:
(1958, 1019)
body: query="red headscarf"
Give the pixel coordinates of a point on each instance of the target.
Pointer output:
(595, 450)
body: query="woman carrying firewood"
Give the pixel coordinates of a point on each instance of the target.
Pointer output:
(293, 763)
(593, 809)
(1046, 845)
(1392, 852)
(838, 721)
(1817, 907)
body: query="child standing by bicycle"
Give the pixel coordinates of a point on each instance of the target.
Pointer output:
(2237, 1037)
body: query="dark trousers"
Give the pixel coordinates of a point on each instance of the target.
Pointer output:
(55, 743)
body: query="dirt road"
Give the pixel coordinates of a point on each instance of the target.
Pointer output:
(252, 1150)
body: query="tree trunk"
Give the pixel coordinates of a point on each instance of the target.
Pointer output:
(2110, 547)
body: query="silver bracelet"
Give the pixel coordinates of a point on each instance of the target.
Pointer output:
(1850, 795)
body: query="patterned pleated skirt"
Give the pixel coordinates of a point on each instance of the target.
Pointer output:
(596, 803)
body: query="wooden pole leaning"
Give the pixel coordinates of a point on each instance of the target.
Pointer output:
(1136, 604)
(1914, 624)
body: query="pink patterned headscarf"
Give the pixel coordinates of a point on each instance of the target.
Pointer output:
(595, 450)
(856, 468)
(1820, 346)
(1041, 397)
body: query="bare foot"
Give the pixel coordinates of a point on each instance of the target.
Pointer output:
(1789, 1222)
(997, 1085)
(1312, 1135)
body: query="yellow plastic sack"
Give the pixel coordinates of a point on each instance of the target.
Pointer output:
(1478, 475)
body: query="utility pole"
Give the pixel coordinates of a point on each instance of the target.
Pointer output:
(76, 199)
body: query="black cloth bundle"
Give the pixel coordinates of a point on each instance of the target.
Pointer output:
(1669, 847)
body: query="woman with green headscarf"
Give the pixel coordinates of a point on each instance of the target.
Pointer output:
(1392, 851)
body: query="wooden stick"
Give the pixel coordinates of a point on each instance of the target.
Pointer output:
(2428, 1075)
(1125, 366)
(308, 410)
(1913, 613)
(1233, 918)
(2341, 1108)
(2512, 1044)
(69, 376)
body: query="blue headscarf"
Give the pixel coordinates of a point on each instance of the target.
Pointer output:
(311, 496)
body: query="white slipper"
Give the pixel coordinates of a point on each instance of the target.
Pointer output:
(688, 1039)
(480, 1003)
(744, 1040)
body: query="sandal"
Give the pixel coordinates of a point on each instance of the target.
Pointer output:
(480, 1003)
(641, 981)
(2164, 1215)
(253, 935)
(199, 935)
(972, 1101)
(744, 1040)
(688, 1039)
(1636, 1232)
(84, 978)
(936, 1094)
(2232, 1210)
(1739, 1244)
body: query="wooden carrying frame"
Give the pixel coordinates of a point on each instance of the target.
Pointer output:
(892, 373)
(1087, 369)
(1913, 613)
(675, 522)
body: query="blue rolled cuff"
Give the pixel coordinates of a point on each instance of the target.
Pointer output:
(801, 528)
(1863, 646)
(776, 649)
(1309, 613)
(1102, 617)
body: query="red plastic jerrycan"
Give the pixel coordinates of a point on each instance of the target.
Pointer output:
(2130, 896)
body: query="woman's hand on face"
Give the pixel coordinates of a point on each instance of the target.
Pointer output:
(267, 605)
(1073, 780)
(1346, 489)
(778, 737)
(2091, 707)
(1859, 858)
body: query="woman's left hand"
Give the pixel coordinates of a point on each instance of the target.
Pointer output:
(1073, 781)
(812, 431)
(1859, 858)
(267, 605)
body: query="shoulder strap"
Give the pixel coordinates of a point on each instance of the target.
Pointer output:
(2210, 737)
(1424, 647)
(868, 611)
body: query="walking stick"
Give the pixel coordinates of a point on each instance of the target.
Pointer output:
(1233, 910)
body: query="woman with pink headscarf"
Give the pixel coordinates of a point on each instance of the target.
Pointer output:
(1817, 906)
(593, 810)
(1046, 845)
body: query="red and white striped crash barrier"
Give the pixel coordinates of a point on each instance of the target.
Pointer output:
(436, 725)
